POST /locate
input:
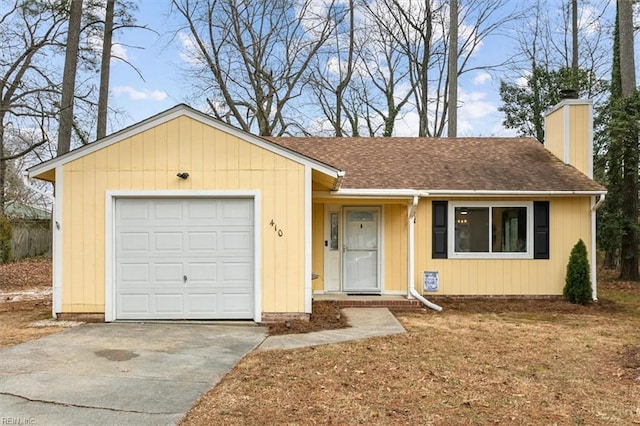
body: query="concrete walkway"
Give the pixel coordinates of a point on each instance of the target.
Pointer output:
(364, 322)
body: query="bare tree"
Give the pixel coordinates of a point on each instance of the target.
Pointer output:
(105, 68)
(452, 123)
(544, 61)
(29, 33)
(69, 77)
(251, 58)
(423, 37)
(384, 87)
(332, 70)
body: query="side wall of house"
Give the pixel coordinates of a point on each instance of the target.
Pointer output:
(569, 220)
(215, 161)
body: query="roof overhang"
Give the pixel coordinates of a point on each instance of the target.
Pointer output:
(408, 193)
(44, 170)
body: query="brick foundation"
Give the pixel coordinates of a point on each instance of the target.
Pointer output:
(81, 316)
(273, 317)
(392, 305)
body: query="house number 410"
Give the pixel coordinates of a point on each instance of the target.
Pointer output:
(276, 229)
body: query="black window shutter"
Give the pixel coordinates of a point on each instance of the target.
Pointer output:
(439, 231)
(541, 230)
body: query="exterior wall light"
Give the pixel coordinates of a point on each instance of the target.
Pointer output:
(183, 175)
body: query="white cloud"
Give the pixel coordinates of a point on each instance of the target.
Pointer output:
(408, 125)
(120, 51)
(95, 43)
(189, 51)
(481, 78)
(140, 95)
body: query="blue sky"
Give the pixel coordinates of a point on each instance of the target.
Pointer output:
(158, 59)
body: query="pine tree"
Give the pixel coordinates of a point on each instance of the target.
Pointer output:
(577, 288)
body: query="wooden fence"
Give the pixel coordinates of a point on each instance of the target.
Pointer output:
(30, 238)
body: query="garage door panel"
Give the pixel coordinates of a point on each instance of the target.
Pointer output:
(237, 209)
(202, 240)
(202, 210)
(169, 303)
(167, 210)
(159, 242)
(236, 272)
(206, 272)
(169, 272)
(134, 211)
(133, 242)
(236, 303)
(167, 241)
(132, 273)
(235, 240)
(203, 303)
(134, 303)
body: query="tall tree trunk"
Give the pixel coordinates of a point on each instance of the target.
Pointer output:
(452, 124)
(574, 35)
(629, 261)
(105, 68)
(69, 77)
(3, 168)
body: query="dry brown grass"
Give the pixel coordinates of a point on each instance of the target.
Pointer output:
(479, 362)
(24, 300)
(491, 362)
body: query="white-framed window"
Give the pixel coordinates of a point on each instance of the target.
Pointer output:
(485, 230)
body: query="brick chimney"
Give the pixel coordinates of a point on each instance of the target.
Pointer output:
(568, 131)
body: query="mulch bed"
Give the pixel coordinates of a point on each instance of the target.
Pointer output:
(326, 316)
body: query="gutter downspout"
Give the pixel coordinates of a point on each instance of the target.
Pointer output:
(411, 291)
(594, 269)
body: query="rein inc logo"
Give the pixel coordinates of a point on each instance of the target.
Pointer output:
(17, 421)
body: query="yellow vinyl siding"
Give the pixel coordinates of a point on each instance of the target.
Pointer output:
(554, 133)
(569, 220)
(215, 161)
(576, 119)
(317, 245)
(395, 248)
(578, 145)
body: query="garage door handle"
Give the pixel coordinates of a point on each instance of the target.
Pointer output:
(184, 278)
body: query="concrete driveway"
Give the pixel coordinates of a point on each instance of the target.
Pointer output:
(118, 374)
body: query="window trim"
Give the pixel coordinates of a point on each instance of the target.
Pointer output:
(528, 254)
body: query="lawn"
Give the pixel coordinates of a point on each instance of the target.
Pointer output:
(478, 362)
(525, 362)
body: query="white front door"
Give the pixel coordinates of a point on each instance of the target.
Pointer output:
(361, 253)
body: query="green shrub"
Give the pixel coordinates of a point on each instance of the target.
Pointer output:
(577, 287)
(6, 234)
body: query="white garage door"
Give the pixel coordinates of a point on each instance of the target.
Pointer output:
(184, 258)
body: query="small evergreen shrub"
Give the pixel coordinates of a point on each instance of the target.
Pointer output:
(577, 287)
(6, 234)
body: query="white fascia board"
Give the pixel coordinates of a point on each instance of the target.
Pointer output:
(490, 193)
(564, 102)
(389, 193)
(171, 114)
(406, 193)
